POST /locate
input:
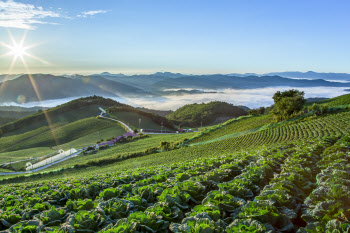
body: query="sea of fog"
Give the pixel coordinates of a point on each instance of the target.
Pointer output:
(251, 98)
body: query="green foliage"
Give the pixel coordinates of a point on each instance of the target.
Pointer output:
(193, 115)
(257, 111)
(52, 113)
(85, 220)
(248, 225)
(288, 104)
(214, 189)
(52, 216)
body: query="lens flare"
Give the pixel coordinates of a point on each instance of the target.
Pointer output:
(21, 99)
(86, 80)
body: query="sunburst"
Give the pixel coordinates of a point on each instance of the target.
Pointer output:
(18, 50)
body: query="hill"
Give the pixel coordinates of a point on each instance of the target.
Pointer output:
(62, 114)
(9, 116)
(249, 174)
(57, 87)
(44, 128)
(158, 85)
(20, 109)
(158, 112)
(337, 101)
(313, 75)
(193, 115)
(249, 82)
(278, 177)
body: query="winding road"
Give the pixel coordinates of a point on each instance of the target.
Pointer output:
(122, 123)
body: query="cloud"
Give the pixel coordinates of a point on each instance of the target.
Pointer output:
(252, 98)
(85, 14)
(25, 16)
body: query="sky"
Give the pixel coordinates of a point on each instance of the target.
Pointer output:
(187, 36)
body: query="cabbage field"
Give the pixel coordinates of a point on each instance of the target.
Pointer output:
(295, 187)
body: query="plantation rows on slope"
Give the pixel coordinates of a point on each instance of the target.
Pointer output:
(271, 189)
(337, 101)
(316, 127)
(311, 127)
(232, 126)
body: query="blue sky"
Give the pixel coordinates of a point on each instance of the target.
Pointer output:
(188, 36)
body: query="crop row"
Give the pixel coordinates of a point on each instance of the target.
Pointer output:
(257, 191)
(327, 207)
(320, 127)
(278, 207)
(234, 126)
(317, 128)
(146, 197)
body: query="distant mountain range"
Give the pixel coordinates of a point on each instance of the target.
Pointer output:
(57, 87)
(302, 75)
(250, 82)
(157, 85)
(5, 77)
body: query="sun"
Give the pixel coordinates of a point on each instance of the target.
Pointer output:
(18, 50)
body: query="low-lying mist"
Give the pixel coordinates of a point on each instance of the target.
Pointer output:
(251, 98)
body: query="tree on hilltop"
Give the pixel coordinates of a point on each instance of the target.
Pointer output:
(288, 104)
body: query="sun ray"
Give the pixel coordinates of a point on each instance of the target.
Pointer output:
(36, 90)
(5, 54)
(39, 59)
(23, 38)
(12, 38)
(18, 50)
(32, 46)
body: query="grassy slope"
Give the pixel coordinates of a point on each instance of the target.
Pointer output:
(337, 101)
(60, 119)
(234, 126)
(121, 149)
(309, 127)
(43, 137)
(84, 141)
(194, 114)
(132, 119)
(24, 154)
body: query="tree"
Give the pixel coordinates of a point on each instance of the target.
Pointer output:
(256, 111)
(288, 103)
(0, 133)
